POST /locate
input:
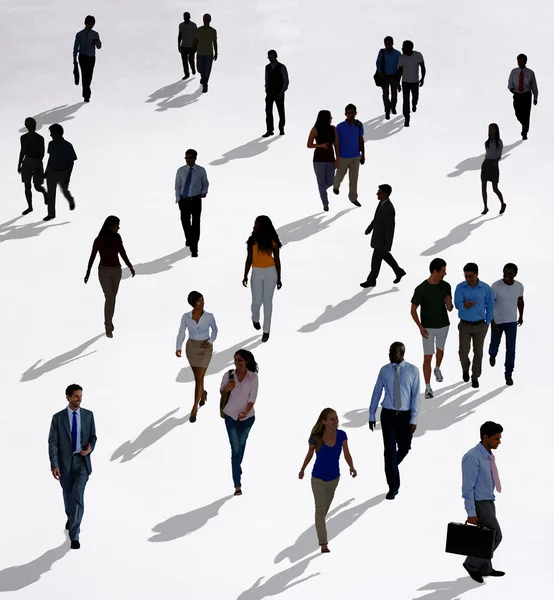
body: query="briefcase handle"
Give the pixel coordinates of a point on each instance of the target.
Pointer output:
(479, 526)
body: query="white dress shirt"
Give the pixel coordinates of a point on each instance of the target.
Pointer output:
(70, 417)
(245, 391)
(197, 331)
(529, 81)
(198, 184)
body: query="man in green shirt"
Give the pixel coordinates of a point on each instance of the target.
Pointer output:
(205, 47)
(434, 296)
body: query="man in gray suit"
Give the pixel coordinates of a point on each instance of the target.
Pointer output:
(381, 240)
(71, 440)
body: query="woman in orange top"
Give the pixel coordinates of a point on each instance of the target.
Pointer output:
(263, 256)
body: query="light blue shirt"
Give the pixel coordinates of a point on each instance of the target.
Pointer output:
(70, 417)
(481, 294)
(197, 331)
(198, 184)
(391, 61)
(409, 390)
(83, 43)
(477, 480)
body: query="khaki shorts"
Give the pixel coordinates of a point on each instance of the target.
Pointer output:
(436, 337)
(31, 170)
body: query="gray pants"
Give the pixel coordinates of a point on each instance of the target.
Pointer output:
(486, 512)
(73, 486)
(262, 283)
(324, 172)
(324, 492)
(109, 277)
(352, 165)
(472, 334)
(204, 67)
(53, 179)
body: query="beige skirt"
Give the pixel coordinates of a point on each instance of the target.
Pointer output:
(197, 355)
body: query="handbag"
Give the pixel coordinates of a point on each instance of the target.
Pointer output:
(379, 76)
(76, 72)
(225, 395)
(470, 540)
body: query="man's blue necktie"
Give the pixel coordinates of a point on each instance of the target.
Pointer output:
(74, 433)
(187, 184)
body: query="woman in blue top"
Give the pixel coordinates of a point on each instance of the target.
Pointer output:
(327, 441)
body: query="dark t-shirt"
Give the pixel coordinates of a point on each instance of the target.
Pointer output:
(32, 145)
(109, 249)
(325, 154)
(62, 155)
(431, 299)
(327, 459)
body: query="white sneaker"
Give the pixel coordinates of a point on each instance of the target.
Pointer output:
(428, 392)
(438, 374)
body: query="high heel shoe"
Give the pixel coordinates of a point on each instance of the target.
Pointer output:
(502, 208)
(204, 398)
(193, 413)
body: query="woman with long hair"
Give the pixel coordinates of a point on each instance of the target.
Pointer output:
(242, 384)
(202, 334)
(263, 255)
(323, 137)
(327, 441)
(110, 245)
(489, 168)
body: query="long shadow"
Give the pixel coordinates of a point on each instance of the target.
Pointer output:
(21, 576)
(459, 234)
(448, 590)
(9, 231)
(59, 114)
(342, 309)
(165, 263)
(248, 150)
(34, 372)
(339, 521)
(379, 128)
(182, 525)
(149, 436)
(223, 360)
(302, 229)
(179, 101)
(474, 163)
(168, 91)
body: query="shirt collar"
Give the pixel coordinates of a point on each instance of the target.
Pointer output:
(70, 411)
(484, 451)
(478, 284)
(403, 363)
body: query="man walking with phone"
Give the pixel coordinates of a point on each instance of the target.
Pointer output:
(87, 41)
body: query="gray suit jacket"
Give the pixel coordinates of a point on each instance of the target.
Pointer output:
(59, 440)
(382, 227)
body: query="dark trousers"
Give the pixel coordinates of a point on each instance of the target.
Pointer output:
(522, 108)
(397, 439)
(53, 179)
(472, 333)
(191, 209)
(87, 68)
(407, 89)
(486, 511)
(204, 66)
(238, 434)
(73, 486)
(378, 257)
(270, 98)
(510, 329)
(187, 56)
(390, 92)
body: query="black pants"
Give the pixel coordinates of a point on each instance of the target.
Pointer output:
(53, 179)
(407, 89)
(378, 257)
(187, 56)
(270, 98)
(87, 68)
(191, 208)
(522, 108)
(397, 439)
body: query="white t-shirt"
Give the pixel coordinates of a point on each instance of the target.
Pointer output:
(505, 301)
(410, 64)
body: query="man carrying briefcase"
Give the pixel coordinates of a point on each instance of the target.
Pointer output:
(479, 479)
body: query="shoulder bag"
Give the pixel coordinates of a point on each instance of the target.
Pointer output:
(379, 76)
(225, 395)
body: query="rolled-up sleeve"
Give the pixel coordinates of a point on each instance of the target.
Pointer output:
(470, 471)
(253, 390)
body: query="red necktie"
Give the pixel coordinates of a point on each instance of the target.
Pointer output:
(520, 88)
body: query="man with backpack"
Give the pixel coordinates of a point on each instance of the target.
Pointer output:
(386, 75)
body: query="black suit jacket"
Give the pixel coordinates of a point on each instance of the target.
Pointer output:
(382, 226)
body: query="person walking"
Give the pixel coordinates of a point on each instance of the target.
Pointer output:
(523, 83)
(241, 389)
(29, 163)
(276, 84)
(185, 44)
(489, 168)
(110, 245)
(351, 152)
(508, 302)
(191, 185)
(409, 63)
(475, 304)
(479, 480)
(387, 69)
(327, 441)
(71, 441)
(202, 334)
(205, 48)
(434, 296)
(87, 41)
(59, 169)
(399, 411)
(323, 137)
(264, 256)
(382, 227)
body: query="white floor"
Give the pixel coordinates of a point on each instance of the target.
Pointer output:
(160, 521)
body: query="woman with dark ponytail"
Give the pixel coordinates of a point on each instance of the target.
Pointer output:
(327, 441)
(489, 168)
(323, 137)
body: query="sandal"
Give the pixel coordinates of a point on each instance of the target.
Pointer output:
(204, 398)
(238, 493)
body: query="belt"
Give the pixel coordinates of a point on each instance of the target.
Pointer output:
(473, 322)
(190, 197)
(398, 412)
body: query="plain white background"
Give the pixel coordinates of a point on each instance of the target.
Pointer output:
(159, 518)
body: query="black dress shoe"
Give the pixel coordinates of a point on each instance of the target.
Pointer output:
(368, 283)
(185, 77)
(48, 218)
(336, 191)
(474, 383)
(492, 360)
(523, 136)
(75, 544)
(72, 205)
(406, 123)
(356, 203)
(267, 134)
(204, 89)
(86, 99)
(465, 376)
(494, 573)
(474, 575)
(393, 111)
(265, 337)
(27, 211)
(399, 276)
(282, 132)
(503, 208)
(194, 254)
(414, 108)
(256, 325)
(387, 116)
(391, 495)
(509, 381)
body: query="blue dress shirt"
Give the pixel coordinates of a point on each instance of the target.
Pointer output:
(391, 61)
(481, 294)
(529, 81)
(199, 183)
(477, 480)
(83, 42)
(70, 417)
(409, 390)
(197, 331)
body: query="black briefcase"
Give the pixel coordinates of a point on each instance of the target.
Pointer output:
(469, 540)
(76, 73)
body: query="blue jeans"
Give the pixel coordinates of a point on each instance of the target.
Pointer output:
(510, 329)
(325, 174)
(406, 89)
(204, 67)
(238, 434)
